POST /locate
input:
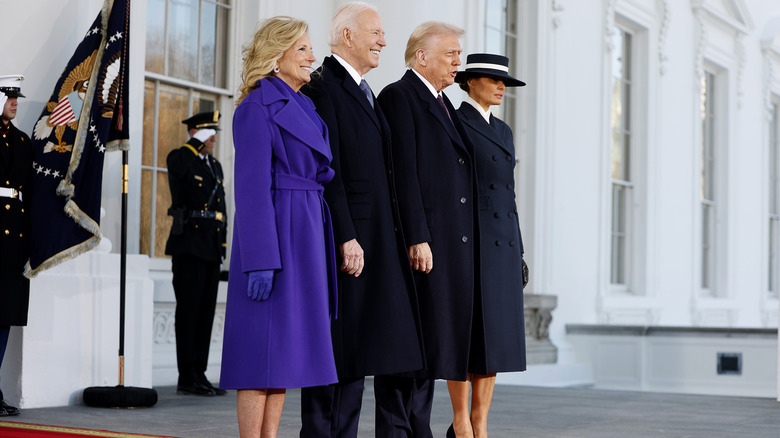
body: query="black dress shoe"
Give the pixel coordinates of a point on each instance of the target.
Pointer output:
(216, 390)
(451, 432)
(7, 410)
(195, 389)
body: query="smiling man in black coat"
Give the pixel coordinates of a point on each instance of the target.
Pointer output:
(375, 333)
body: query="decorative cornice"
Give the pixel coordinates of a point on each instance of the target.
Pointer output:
(609, 24)
(741, 61)
(666, 15)
(698, 15)
(557, 9)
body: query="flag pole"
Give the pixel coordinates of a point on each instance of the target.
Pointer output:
(122, 396)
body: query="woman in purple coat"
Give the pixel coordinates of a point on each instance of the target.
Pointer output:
(281, 292)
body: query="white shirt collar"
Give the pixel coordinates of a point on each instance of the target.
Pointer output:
(427, 84)
(478, 107)
(351, 70)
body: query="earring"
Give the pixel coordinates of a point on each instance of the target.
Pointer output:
(276, 69)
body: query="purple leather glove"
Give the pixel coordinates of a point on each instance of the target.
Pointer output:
(260, 284)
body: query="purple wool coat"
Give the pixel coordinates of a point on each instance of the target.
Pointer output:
(282, 223)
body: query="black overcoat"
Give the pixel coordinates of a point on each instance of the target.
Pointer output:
(375, 332)
(15, 173)
(437, 198)
(192, 184)
(501, 244)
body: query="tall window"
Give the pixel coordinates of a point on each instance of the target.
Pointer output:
(708, 180)
(622, 185)
(186, 45)
(501, 38)
(774, 202)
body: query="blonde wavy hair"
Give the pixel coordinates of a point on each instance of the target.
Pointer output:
(272, 39)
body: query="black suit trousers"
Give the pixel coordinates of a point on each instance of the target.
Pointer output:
(195, 283)
(332, 411)
(403, 407)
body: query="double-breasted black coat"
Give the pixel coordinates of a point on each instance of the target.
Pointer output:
(437, 198)
(15, 173)
(194, 188)
(501, 244)
(375, 332)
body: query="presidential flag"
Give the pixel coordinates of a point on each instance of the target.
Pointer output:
(85, 117)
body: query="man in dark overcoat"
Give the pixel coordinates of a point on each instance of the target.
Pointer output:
(375, 333)
(197, 244)
(438, 201)
(15, 176)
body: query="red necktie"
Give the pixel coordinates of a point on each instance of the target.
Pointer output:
(441, 102)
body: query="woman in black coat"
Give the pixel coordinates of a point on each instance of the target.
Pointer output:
(485, 78)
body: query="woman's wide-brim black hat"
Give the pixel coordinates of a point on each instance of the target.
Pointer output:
(487, 64)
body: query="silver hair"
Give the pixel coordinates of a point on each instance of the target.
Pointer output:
(346, 17)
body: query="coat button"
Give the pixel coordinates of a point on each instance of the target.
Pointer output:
(7, 206)
(463, 239)
(496, 215)
(219, 200)
(510, 214)
(20, 235)
(509, 186)
(200, 185)
(462, 200)
(498, 243)
(461, 161)
(8, 232)
(511, 243)
(492, 187)
(495, 158)
(390, 171)
(395, 229)
(8, 183)
(509, 158)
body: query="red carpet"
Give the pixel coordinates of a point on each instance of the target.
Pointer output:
(23, 430)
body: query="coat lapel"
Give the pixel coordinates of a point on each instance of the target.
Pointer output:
(349, 85)
(475, 121)
(294, 119)
(434, 108)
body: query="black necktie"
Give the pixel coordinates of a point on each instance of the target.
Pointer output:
(367, 91)
(441, 102)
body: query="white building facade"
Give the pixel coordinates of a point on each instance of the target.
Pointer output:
(648, 175)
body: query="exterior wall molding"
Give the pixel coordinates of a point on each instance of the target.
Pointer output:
(666, 16)
(557, 12)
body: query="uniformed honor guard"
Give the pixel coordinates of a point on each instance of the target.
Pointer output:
(15, 176)
(197, 246)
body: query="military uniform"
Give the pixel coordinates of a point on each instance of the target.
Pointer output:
(197, 244)
(15, 176)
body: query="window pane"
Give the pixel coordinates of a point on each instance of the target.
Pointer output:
(772, 255)
(618, 234)
(626, 53)
(183, 39)
(493, 41)
(617, 158)
(774, 166)
(146, 211)
(155, 36)
(148, 133)
(208, 38)
(162, 220)
(174, 104)
(706, 246)
(494, 13)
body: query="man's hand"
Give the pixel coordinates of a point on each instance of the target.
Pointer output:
(352, 256)
(204, 134)
(421, 257)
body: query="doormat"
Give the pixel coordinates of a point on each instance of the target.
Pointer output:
(10, 429)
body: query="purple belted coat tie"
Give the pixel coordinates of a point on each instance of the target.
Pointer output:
(284, 181)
